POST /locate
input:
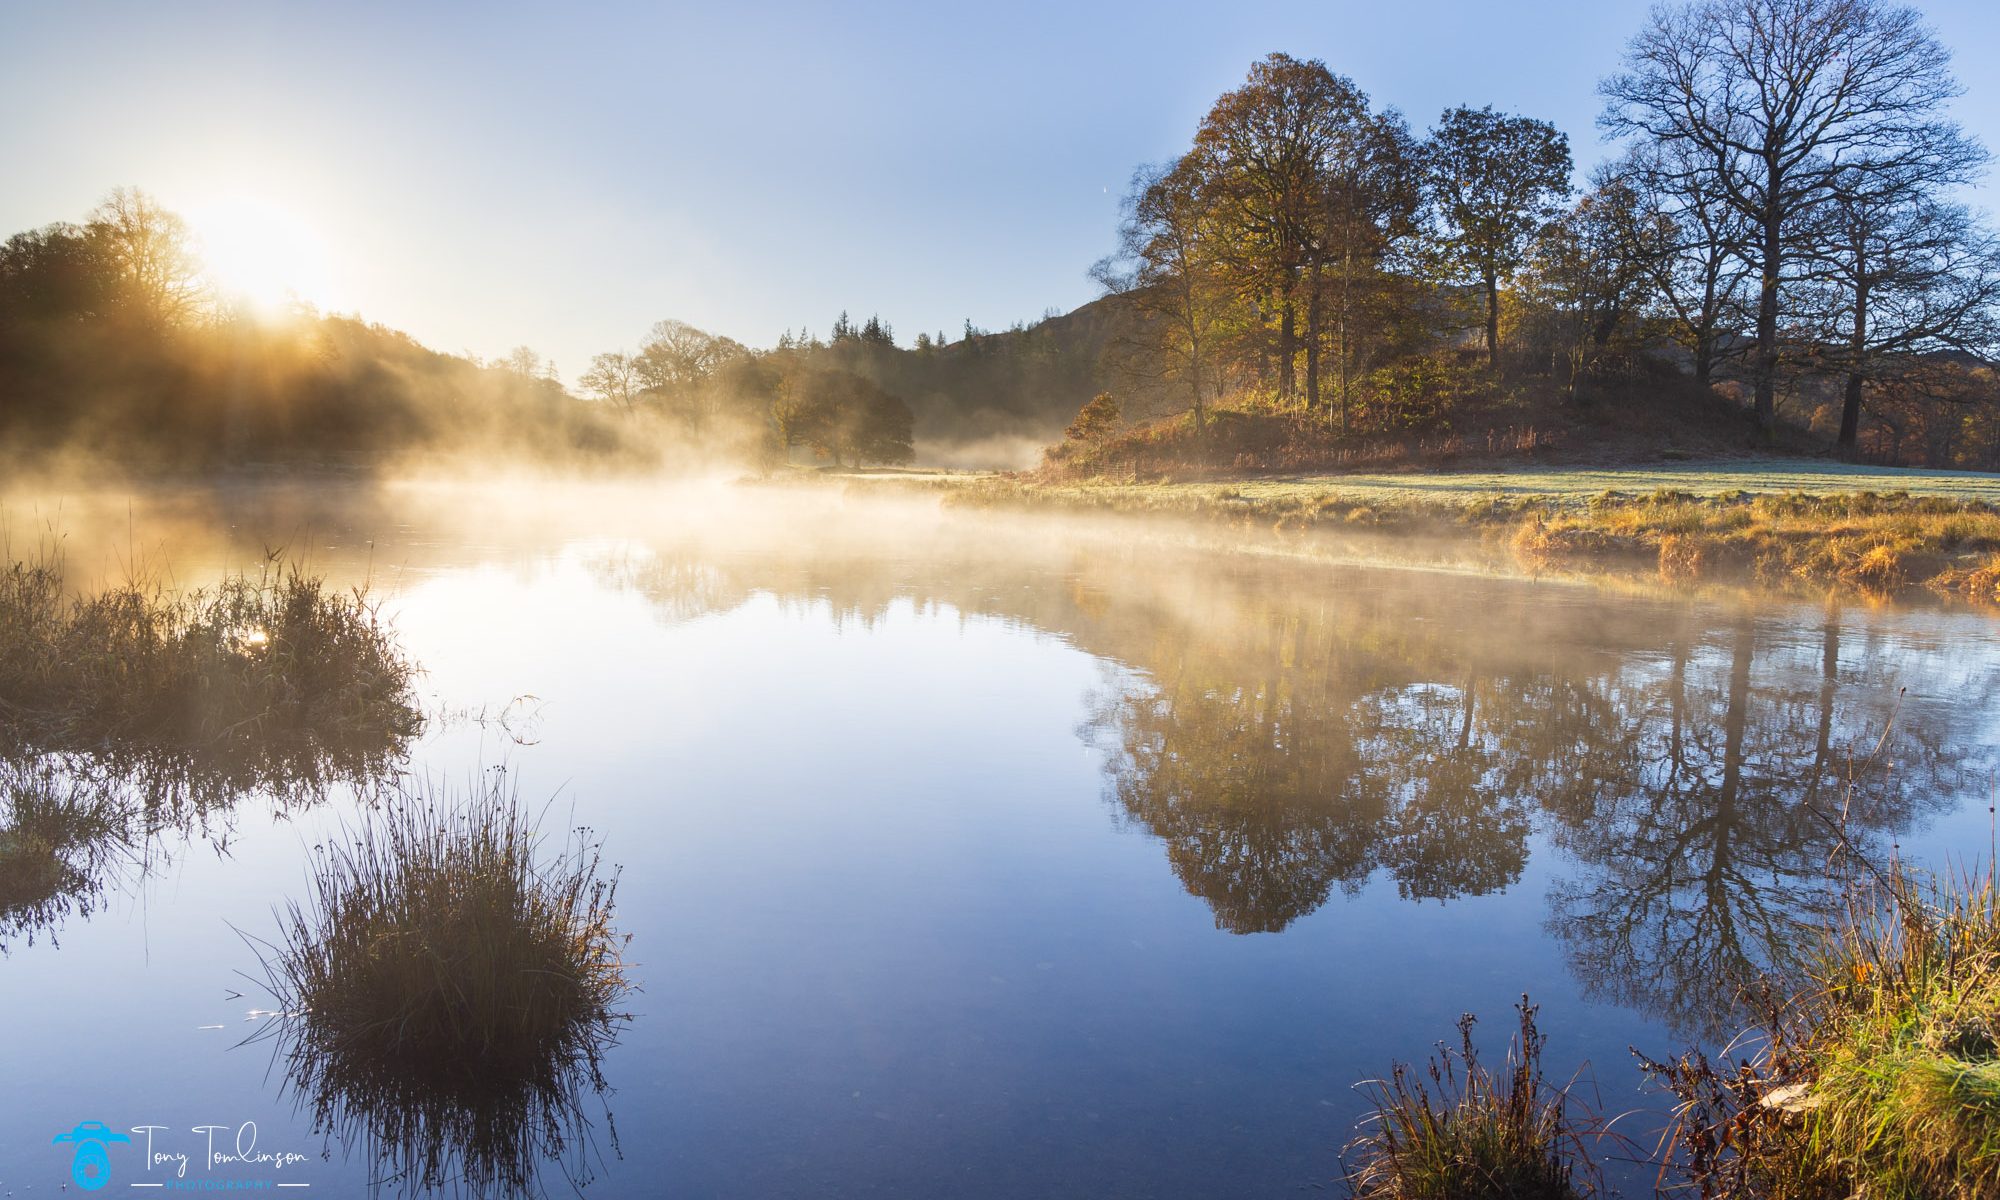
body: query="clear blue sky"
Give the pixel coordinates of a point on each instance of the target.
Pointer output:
(564, 175)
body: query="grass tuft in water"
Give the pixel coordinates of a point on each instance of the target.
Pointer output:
(273, 676)
(1460, 1131)
(453, 988)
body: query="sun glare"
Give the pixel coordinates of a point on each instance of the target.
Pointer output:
(262, 256)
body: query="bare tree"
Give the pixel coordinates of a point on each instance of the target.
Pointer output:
(1690, 243)
(1780, 103)
(613, 377)
(1900, 276)
(1165, 264)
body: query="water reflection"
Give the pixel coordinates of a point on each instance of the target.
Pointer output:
(1697, 766)
(77, 826)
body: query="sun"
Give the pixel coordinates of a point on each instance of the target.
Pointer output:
(261, 256)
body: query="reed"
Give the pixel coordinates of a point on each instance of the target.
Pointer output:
(1461, 1131)
(269, 678)
(453, 988)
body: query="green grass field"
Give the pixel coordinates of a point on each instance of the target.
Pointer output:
(1579, 484)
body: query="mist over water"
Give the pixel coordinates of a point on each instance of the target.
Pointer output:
(1007, 856)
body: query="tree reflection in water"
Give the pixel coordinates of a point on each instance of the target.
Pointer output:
(1287, 732)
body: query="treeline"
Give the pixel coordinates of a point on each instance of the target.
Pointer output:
(1780, 225)
(857, 395)
(114, 347)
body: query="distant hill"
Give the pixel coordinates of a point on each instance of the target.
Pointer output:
(996, 399)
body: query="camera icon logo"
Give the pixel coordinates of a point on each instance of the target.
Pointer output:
(91, 1166)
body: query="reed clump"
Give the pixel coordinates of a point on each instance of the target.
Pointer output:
(452, 988)
(261, 670)
(1462, 1131)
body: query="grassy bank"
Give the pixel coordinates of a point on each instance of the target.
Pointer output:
(1778, 522)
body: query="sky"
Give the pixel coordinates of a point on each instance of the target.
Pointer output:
(561, 176)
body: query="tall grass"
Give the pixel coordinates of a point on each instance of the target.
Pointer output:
(271, 679)
(1462, 1131)
(453, 988)
(1881, 1078)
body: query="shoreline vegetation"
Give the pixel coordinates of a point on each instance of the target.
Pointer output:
(1784, 526)
(1876, 1074)
(256, 673)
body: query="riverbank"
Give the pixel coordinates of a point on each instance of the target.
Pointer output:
(1780, 523)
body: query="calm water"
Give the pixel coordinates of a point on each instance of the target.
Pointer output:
(964, 857)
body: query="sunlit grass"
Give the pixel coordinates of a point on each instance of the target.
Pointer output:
(1881, 1077)
(1881, 543)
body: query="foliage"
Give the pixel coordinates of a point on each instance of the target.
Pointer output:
(1095, 420)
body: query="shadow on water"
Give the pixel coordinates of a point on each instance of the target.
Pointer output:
(1690, 768)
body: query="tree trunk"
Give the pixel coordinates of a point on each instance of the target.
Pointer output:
(1857, 349)
(1493, 321)
(1346, 313)
(1288, 345)
(1767, 328)
(1312, 347)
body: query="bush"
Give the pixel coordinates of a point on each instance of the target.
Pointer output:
(1422, 394)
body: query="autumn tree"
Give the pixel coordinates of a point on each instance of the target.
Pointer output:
(1095, 420)
(675, 364)
(1785, 103)
(1495, 181)
(1369, 194)
(1261, 153)
(843, 416)
(1586, 280)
